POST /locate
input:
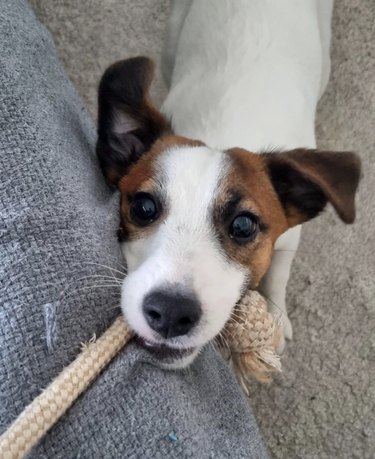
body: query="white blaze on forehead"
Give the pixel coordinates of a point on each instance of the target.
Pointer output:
(184, 251)
(189, 180)
(192, 176)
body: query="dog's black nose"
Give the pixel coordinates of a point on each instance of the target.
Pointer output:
(171, 314)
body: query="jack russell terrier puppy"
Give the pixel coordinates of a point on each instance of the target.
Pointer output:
(212, 188)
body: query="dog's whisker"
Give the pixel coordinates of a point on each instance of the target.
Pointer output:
(214, 343)
(238, 324)
(99, 286)
(91, 287)
(221, 336)
(102, 276)
(235, 314)
(98, 276)
(116, 261)
(113, 276)
(237, 319)
(106, 267)
(103, 279)
(78, 266)
(89, 277)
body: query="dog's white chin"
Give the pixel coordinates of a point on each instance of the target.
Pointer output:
(168, 356)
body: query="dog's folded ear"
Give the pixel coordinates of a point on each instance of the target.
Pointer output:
(128, 124)
(305, 180)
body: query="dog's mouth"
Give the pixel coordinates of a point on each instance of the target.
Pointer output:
(163, 351)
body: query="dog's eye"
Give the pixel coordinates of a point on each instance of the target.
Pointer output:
(144, 209)
(244, 228)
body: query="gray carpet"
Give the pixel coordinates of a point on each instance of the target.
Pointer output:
(323, 406)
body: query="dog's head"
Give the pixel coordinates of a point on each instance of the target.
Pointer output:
(198, 225)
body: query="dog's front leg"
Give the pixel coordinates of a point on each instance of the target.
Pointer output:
(274, 284)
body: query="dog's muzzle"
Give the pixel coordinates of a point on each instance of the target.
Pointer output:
(171, 314)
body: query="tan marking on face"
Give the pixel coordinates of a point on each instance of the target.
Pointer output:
(141, 178)
(249, 178)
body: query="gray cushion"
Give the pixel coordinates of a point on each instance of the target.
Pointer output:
(57, 228)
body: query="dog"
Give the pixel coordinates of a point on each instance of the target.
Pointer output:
(200, 217)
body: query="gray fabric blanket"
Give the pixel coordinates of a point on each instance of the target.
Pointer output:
(60, 265)
(323, 404)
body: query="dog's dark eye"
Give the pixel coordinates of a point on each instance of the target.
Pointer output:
(144, 209)
(244, 228)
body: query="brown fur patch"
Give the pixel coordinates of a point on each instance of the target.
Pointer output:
(307, 179)
(143, 170)
(141, 177)
(248, 178)
(314, 178)
(128, 122)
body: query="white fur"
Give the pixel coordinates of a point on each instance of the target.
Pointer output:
(183, 251)
(249, 73)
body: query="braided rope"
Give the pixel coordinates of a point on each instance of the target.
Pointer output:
(43, 412)
(250, 336)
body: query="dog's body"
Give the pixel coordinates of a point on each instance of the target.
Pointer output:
(249, 73)
(199, 223)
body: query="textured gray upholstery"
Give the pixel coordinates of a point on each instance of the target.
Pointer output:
(58, 224)
(323, 404)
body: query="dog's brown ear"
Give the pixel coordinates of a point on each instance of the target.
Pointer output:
(128, 124)
(305, 180)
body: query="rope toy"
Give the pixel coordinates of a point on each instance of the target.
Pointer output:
(250, 340)
(250, 337)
